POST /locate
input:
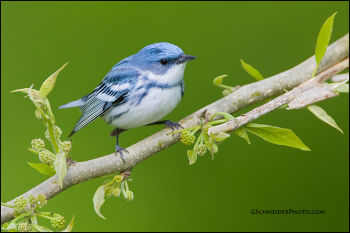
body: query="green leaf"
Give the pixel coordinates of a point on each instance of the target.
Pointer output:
(344, 88)
(28, 91)
(277, 135)
(192, 156)
(4, 226)
(218, 80)
(99, 199)
(60, 166)
(49, 83)
(221, 136)
(33, 219)
(40, 228)
(214, 148)
(43, 168)
(243, 134)
(323, 38)
(252, 71)
(69, 228)
(18, 219)
(323, 116)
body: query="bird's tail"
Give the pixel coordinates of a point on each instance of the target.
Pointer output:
(76, 103)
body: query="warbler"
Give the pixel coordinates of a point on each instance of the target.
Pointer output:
(139, 90)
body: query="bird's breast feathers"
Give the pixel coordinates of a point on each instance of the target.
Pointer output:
(155, 104)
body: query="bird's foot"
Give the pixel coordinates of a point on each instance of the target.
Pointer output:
(173, 125)
(120, 150)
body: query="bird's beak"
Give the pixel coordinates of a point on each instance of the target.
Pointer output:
(184, 58)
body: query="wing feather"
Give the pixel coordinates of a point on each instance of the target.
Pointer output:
(103, 97)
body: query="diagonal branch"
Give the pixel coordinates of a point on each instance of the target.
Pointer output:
(296, 95)
(243, 97)
(315, 90)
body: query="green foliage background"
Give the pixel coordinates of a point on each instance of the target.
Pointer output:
(38, 37)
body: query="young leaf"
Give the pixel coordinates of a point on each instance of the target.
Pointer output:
(13, 224)
(243, 134)
(221, 136)
(323, 38)
(70, 225)
(60, 166)
(33, 219)
(34, 92)
(43, 168)
(99, 199)
(344, 88)
(40, 228)
(323, 116)
(49, 83)
(214, 149)
(4, 226)
(277, 135)
(218, 80)
(192, 156)
(252, 71)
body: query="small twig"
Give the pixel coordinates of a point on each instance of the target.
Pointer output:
(281, 100)
(316, 93)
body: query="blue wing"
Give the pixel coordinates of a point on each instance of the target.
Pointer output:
(110, 93)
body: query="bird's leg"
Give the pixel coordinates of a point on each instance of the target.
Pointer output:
(114, 132)
(169, 124)
(119, 149)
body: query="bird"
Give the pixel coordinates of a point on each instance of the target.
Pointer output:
(139, 90)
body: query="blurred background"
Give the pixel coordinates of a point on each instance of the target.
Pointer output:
(212, 195)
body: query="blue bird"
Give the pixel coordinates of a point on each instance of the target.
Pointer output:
(139, 90)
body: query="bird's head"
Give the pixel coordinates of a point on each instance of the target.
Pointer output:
(164, 61)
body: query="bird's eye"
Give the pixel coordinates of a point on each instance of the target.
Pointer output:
(163, 61)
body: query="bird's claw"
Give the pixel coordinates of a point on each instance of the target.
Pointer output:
(120, 150)
(173, 125)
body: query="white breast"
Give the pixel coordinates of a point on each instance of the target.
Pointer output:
(153, 107)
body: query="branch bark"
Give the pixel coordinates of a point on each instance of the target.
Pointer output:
(243, 97)
(306, 93)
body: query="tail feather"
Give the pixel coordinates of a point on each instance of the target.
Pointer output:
(76, 103)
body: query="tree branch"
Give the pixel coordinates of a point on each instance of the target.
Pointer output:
(306, 93)
(315, 91)
(244, 96)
